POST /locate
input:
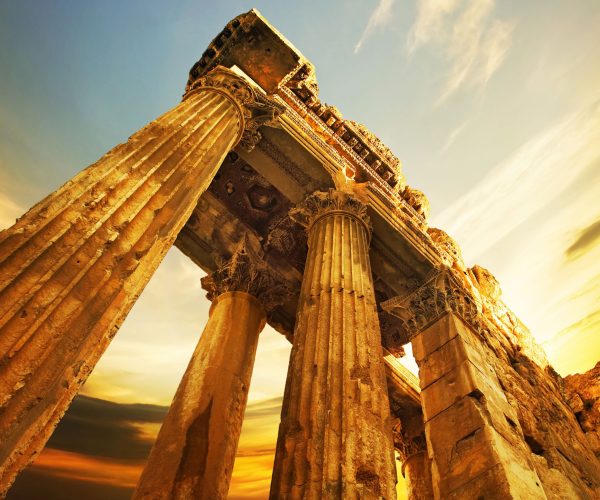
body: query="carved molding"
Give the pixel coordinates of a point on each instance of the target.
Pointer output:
(442, 294)
(321, 203)
(255, 108)
(246, 271)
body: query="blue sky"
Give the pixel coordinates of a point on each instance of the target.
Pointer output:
(493, 108)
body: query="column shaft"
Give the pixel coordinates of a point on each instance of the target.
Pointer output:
(417, 472)
(335, 435)
(195, 450)
(72, 267)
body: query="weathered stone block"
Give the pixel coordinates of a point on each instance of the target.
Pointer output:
(448, 357)
(496, 484)
(441, 332)
(459, 382)
(462, 419)
(468, 448)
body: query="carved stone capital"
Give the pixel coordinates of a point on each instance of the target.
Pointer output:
(441, 294)
(255, 108)
(246, 271)
(322, 203)
(405, 445)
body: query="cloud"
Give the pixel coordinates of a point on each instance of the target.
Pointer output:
(379, 17)
(106, 429)
(471, 43)
(38, 483)
(97, 451)
(585, 240)
(525, 182)
(99, 448)
(452, 137)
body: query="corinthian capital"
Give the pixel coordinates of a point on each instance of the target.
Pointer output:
(441, 294)
(255, 108)
(322, 203)
(246, 272)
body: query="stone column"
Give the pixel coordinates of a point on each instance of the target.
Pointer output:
(195, 449)
(416, 469)
(335, 436)
(72, 267)
(473, 434)
(409, 439)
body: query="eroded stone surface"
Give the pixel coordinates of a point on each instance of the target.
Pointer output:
(195, 449)
(583, 394)
(335, 438)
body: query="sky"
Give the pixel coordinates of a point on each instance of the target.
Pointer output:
(493, 108)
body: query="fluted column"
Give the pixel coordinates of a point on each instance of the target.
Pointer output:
(72, 267)
(194, 452)
(335, 436)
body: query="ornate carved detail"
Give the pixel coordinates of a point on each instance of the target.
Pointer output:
(255, 108)
(321, 203)
(292, 169)
(372, 156)
(247, 272)
(417, 200)
(393, 336)
(287, 239)
(220, 46)
(444, 293)
(486, 282)
(448, 245)
(406, 446)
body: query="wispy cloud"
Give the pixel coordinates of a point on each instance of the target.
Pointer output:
(472, 44)
(525, 182)
(452, 137)
(379, 18)
(587, 237)
(525, 221)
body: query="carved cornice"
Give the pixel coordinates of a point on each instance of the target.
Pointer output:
(255, 109)
(369, 153)
(322, 203)
(442, 294)
(246, 271)
(447, 246)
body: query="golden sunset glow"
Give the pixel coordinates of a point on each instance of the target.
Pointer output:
(68, 465)
(493, 108)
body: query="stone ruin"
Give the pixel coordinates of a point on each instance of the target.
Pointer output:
(303, 220)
